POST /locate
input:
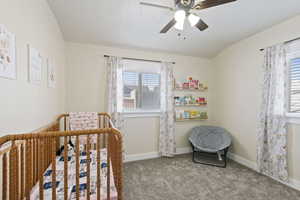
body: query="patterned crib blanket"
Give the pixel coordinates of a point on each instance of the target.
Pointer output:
(82, 181)
(84, 121)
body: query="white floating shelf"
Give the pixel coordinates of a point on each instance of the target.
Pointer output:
(192, 105)
(191, 119)
(190, 90)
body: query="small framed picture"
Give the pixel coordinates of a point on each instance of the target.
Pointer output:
(8, 67)
(51, 74)
(35, 66)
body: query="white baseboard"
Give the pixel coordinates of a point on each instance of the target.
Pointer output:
(295, 184)
(151, 155)
(183, 150)
(142, 156)
(250, 164)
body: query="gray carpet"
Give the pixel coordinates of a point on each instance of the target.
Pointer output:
(180, 179)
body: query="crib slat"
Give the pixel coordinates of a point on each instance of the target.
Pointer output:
(37, 161)
(88, 167)
(49, 148)
(22, 170)
(28, 168)
(4, 177)
(100, 121)
(33, 160)
(98, 167)
(41, 170)
(66, 168)
(48, 153)
(101, 126)
(77, 167)
(53, 168)
(108, 165)
(45, 142)
(65, 123)
(13, 187)
(17, 171)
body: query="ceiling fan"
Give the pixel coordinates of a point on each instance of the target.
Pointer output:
(183, 9)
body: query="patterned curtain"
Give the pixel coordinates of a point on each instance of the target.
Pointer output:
(115, 90)
(167, 145)
(272, 137)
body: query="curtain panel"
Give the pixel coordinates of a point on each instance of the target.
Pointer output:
(272, 136)
(167, 144)
(115, 90)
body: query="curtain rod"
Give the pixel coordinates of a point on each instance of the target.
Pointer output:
(140, 59)
(286, 42)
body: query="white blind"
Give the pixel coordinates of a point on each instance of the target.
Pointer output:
(131, 78)
(151, 80)
(294, 85)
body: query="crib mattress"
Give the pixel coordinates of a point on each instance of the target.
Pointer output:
(82, 181)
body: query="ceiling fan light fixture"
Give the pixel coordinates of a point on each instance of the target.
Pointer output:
(193, 19)
(179, 25)
(180, 16)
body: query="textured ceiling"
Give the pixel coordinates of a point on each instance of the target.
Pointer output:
(126, 23)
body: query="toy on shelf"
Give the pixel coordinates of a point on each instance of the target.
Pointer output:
(190, 84)
(190, 101)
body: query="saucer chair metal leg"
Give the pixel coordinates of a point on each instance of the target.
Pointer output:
(210, 164)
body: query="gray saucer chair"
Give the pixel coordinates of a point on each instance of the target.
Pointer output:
(210, 141)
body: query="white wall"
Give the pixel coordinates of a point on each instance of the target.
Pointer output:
(86, 90)
(238, 71)
(25, 107)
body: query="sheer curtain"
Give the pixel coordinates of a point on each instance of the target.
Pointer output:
(167, 145)
(272, 137)
(115, 90)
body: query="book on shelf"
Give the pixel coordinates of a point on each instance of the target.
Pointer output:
(190, 101)
(190, 115)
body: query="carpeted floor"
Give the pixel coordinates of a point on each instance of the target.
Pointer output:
(180, 179)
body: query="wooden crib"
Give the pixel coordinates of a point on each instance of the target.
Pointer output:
(26, 158)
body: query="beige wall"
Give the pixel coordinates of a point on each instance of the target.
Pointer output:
(23, 106)
(238, 74)
(86, 90)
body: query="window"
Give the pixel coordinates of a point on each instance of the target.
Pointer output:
(141, 92)
(293, 55)
(294, 92)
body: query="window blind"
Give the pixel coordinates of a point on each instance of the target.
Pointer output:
(294, 73)
(151, 80)
(131, 78)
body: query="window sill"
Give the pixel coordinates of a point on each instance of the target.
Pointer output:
(141, 114)
(293, 118)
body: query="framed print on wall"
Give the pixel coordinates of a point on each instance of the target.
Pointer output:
(51, 74)
(8, 67)
(35, 66)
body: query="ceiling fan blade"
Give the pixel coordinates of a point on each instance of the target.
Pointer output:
(156, 6)
(201, 25)
(211, 3)
(168, 26)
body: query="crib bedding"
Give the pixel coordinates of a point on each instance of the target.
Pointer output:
(82, 180)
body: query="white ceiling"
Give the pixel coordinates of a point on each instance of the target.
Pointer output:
(128, 24)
